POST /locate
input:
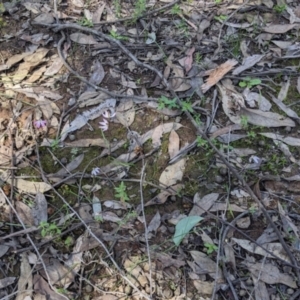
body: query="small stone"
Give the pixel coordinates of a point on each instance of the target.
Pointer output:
(243, 223)
(119, 213)
(177, 119)
(64, 161)
(173, 198)
(249, 281)
(261, 143)
(223, 171)
(288, 129)
(166, 118)
(242, 293)
(290, 291)
(72, 137)
(219, 179)
(88, 288)
(72, 101)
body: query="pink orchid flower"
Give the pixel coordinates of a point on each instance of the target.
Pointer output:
(103, 125)
(96, 171)
(39, 123)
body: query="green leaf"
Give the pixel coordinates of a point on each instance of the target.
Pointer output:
(255, 81)
(183, 227)
(242, 83)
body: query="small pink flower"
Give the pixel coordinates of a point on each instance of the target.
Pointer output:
(103, 125)
(96, 171)
(39, 123)
(109, 113)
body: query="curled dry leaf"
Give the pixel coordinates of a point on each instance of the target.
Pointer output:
(83, 39)
(173, 173)
(217, 74)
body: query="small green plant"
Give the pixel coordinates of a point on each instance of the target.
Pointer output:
(202, 142)
(249, 82)
(251, 134)
(252, 209)
(176, 10)
(69, 241)
(244, 121)
(187, 106)
(121, 192)
(218, 1)
(164, 102)
(49, 229)
(55, 144)
(198, 58)
(221, 18)
(117, 36)
(117, 5)
(183, 28)
(139, 8)
(85, 22)
(210, 248)
(279, 8)
(74, 152)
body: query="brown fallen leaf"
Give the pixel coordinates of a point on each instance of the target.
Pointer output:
(217, 74)
(275, 28)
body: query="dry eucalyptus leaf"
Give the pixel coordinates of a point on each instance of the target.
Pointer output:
(162, 197)
(217, 74)
(266, 119)
(126, 118)
(83, 39)
(173, 146)
(270, 274)
(24, 213)
(25, 283)
(156, 133)
(39, 210)
(78, 3)
(275, 248)
(32, 187)
(275, 28)
(248, 62)
(98, 14)
(173, 173)
(202, 205)
(154, 223)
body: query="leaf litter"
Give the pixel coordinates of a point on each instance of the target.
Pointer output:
(51, 142)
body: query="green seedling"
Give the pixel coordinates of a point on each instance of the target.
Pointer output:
(49, 229)
(176, 10)
(117, 36)
(279, 8)
(249, 82)
(221, 18)
(244, 121)
(202, 142)
(121, 192)
(218, 1)
(117, 5)
(198, 58)
(85, 22)
(139, 9)
(164, 102)
(187, 106)
(210, 248)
